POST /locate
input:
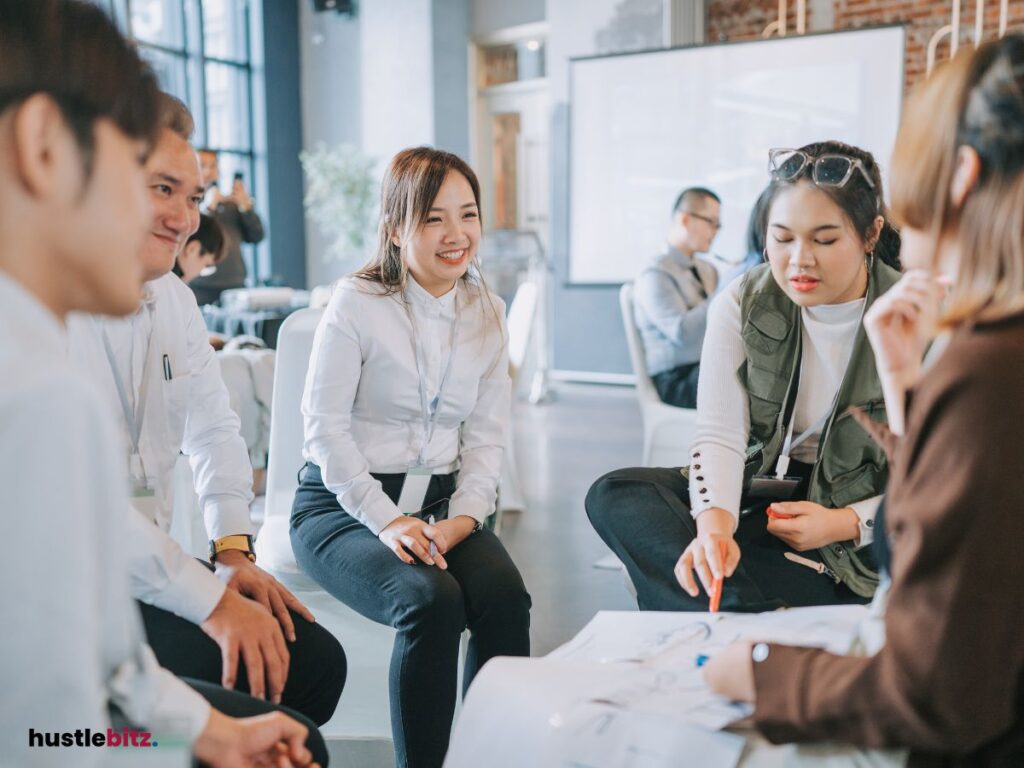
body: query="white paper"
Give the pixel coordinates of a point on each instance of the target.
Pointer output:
(627, 691)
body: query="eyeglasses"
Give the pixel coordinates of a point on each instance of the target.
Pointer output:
(831, 170)
(715, 225)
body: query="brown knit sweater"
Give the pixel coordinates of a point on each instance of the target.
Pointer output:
(949, 682)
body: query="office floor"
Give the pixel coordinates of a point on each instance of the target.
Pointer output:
(562, 447)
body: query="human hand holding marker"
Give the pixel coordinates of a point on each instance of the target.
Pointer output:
(706, 554)
(716, 584)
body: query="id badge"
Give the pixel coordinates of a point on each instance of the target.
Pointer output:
(144, 499)
(770, 488)
(414, 490)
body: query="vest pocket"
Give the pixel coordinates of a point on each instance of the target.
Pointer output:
(850, 447)
(862, 483)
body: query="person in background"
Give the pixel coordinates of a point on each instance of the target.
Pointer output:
(237, 216)
(756, 226)
(203, 250)
(158, 373)
(75, 129)
(406, 408)
(948, 684)
(777, 468)
(671, 297)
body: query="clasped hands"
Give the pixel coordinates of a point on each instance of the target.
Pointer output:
(407, 536)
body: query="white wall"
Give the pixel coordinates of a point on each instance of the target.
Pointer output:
(491, 15)
(392, 77)
(588, 334)
(331, 97)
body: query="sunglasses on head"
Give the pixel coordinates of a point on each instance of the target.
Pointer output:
(829, 170)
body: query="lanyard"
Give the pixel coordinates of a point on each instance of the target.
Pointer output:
(133, 418)
(782, 466)
(429, 407)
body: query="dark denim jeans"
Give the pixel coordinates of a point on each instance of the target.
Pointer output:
(430, 608)
(643, 514)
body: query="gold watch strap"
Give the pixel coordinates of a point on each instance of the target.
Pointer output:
(240, 542)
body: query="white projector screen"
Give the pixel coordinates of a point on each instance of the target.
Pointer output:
(646, 125)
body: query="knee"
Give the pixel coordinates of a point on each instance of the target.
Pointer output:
(605, 499)
(325, 653)
(507, 595)
(433, 605)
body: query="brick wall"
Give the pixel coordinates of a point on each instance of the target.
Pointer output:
(745, 19)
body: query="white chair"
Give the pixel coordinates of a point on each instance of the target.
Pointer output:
(668, 430)
(521, 314)
(363, 713)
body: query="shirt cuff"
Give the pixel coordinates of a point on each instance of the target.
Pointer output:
(470, 507)
(227, 517)
(866, 511)
(194, 593)
(180, 709)
(722, 490)
(378, 514)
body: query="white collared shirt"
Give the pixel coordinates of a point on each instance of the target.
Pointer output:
(64, 512)
(361, 405)
(190, 413)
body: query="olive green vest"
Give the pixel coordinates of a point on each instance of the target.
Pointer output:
(850, 466)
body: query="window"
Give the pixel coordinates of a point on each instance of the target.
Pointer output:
(201, 52)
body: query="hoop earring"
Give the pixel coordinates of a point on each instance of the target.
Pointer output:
(764, 254)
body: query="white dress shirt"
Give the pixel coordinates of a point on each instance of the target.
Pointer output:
(723, 409)
(79, 642)
(190, 413)
(361, 406)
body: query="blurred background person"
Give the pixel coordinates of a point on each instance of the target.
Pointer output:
(240, 223)
(202, 252)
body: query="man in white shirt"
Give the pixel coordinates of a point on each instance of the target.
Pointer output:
(73, 212)
(157, 371)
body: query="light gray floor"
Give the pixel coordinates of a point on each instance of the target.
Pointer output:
(562, 447)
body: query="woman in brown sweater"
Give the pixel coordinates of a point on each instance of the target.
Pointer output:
(949, 682)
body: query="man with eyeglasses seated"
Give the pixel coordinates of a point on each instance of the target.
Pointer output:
(671, 297)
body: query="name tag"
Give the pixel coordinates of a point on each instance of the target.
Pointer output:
(768, 488)
(414, 490)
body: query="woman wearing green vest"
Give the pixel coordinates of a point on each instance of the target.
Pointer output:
(779, 469)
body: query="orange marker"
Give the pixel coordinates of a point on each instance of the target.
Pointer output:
(773, 515)
(716, 584)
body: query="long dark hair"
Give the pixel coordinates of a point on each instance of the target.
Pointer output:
(856, 199)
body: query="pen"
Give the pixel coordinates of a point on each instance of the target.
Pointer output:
(716, 584)
(773, 515)
(433, 546)
(167, 368)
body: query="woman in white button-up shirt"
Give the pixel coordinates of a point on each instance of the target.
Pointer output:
(406, 406)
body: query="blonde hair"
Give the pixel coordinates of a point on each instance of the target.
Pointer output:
(975, 100)
(411, 184)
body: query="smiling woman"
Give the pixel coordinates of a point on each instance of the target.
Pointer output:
(406, 407)
(776, 467)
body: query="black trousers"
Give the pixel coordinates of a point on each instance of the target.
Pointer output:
(316, 671)
(235, 704)
(643, 515)
(678, 386)
(430, 608)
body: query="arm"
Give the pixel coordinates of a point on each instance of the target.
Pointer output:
(945, 680)
(656, 292)
(331, 384)
(483, 435)
(161, 573)
(719, 447)
(249, 224)
(220, 461)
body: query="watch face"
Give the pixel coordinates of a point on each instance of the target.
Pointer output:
(760, 652)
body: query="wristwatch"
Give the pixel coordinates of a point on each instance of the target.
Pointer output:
(239, 542)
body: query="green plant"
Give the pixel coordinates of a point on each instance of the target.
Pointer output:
(341, 200)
